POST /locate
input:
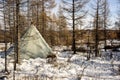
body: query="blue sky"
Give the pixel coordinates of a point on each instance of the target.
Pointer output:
(113, 6)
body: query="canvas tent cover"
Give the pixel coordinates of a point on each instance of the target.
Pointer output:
(33, 45)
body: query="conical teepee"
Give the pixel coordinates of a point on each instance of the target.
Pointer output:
(32, 44)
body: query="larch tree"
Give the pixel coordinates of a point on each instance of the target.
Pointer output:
(119, 13)
(5, 30)
(74, 9)
(46, 6)
(39, 9)
(97, 22)
(10, 18)
(62, 24)
(23, 24)
(105, 19)
(17, 37)
(119, 19)
(117, 23)
(52, 28)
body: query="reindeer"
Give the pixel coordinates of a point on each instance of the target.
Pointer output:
(3, 78)
(51, 58)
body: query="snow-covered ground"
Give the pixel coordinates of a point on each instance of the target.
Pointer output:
(67, 67)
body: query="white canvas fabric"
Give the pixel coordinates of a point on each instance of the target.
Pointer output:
(32, 44)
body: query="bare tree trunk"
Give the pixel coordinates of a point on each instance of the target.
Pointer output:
(9, 18)
(74, 7)
(28, 12)
(73, 36)
(17, 30)
(37, 15)
(105, 32)
(43, 19)
(5, 38)
(96, 30)
(105, 17)
(88, 46)
(14, 36)
(105, 44)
